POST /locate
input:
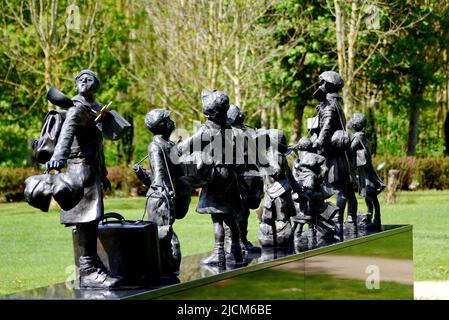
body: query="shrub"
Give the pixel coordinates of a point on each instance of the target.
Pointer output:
(12, 182)
(428, 173)
(124, 182)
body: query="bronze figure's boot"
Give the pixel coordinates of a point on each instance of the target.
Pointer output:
(93, 274)
(217, 258)
(376, 225)
(235, 254)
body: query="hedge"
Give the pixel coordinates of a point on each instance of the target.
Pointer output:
(415, 173)
(123, 182)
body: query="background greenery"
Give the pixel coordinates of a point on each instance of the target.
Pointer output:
(36, 250)
(415, 173)
(266, 54)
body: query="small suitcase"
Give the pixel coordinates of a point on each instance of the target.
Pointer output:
(129, 249)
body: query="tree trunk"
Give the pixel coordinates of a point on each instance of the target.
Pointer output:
(272, 115)
(47, 76)
(264, 118)
(279, 124)
(339, 26)
(413, 128)
(446, 135)
(392, 186)
(297, 124)
(349, 76)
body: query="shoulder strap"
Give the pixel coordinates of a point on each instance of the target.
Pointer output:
(168, 170)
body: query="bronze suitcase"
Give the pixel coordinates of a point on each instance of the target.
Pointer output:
(129, 249)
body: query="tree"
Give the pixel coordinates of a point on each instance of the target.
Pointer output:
(361, 29)
(204, 44)
(413, 61)
(302, 35)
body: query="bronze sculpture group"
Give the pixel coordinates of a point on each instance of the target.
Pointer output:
(239, 168)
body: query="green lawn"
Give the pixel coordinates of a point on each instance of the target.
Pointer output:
(35, 250)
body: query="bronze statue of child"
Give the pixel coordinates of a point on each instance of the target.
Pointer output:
(369, 182)
(250, 181)
(275, 228)
(309, 172)
(168, 197)
(219, 195)
(80, 149)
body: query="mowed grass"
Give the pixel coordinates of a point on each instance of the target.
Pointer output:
(35, 250)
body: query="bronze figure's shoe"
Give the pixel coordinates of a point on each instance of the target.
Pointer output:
(352, 218)
(93, 274)
(217, 258)
(248, 247)
(376, 225)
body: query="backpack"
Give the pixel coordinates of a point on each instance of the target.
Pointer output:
(44, 147)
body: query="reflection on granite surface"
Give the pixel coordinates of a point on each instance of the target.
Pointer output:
(316, 271)
(381, 269)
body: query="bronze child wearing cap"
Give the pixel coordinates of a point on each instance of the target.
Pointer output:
(80, 149)
(168, 196)
(332, 142)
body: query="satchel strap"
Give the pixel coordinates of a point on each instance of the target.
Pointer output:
(168, 170)
(161, 195)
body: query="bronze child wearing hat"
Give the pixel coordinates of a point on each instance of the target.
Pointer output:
(80, 149)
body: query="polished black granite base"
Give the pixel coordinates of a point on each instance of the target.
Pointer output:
(362, 266)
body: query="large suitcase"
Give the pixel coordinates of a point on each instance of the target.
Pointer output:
(129, 249)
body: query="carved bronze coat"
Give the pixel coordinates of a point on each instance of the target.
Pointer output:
(80, 144)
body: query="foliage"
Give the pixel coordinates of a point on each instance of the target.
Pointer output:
(265, 53)
(408, 70)
(305, 32)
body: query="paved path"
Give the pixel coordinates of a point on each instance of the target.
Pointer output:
(431, 290)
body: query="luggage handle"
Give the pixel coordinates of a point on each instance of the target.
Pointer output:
(113, 215)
